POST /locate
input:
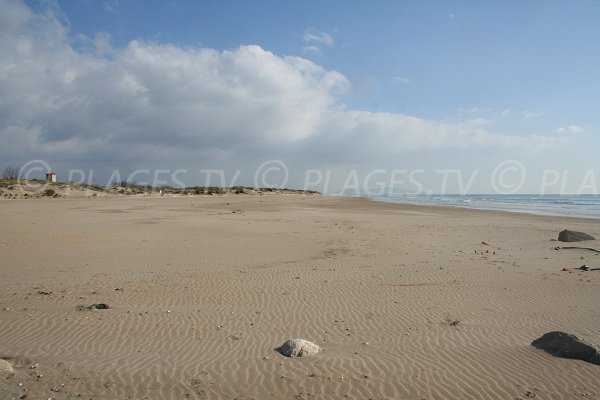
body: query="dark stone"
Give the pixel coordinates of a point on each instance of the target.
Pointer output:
(561, 344)
(99, 306)
(573, 236)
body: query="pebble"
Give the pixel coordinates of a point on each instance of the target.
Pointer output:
(5, 367)
(298, 348)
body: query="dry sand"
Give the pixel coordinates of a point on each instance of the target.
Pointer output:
(202, 290)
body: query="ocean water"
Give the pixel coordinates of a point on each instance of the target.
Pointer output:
(587, 206)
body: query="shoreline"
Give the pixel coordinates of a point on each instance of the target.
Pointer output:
(490, 208)
(458, 208)
(28, 190)
(294, 192)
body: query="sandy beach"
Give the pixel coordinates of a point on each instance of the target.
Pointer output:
(201, 291)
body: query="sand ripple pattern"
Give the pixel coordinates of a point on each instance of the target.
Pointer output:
(201, 297)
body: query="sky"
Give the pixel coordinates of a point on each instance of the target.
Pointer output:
(335, 96)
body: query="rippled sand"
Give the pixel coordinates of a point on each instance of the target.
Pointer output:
(202, 290)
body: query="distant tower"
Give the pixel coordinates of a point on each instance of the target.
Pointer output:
(51, 177)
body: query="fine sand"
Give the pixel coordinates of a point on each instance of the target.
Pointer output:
(202, 290)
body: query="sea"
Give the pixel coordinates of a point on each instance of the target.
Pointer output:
(586, 206)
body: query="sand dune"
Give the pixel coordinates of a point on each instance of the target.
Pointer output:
(203, 289)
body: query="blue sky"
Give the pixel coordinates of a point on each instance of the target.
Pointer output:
(341, 85)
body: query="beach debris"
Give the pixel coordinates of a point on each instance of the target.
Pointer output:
(99, 306)
(5, 367)
(44, 292)
(573, 236)
(58, 389)
(452, 321)
(584, 267)
(298, 348)
(575, 247)
(564, 345)
(485, 243)
(414, 284)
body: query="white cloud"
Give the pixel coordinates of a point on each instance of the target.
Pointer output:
(478, 110)
(571, 129)
(506, 112)
(318, 38)
(393, 133)
(527, 114)
(316, 41)
(400, 80)
(312, 50)
(148, 101)
(111, 6)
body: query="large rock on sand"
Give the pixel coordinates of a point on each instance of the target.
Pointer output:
(299, 348)
(573, 236)
(5, 367)
(561, 344)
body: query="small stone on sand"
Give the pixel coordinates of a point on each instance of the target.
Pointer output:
(5, 367)
(299, 348)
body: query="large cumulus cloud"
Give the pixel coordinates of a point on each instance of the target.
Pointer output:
(75, 98)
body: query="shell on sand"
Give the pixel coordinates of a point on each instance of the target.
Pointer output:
(5, 367)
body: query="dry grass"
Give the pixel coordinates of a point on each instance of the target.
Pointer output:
(452, 321)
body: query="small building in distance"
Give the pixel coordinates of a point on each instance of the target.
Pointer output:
(51, 177)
